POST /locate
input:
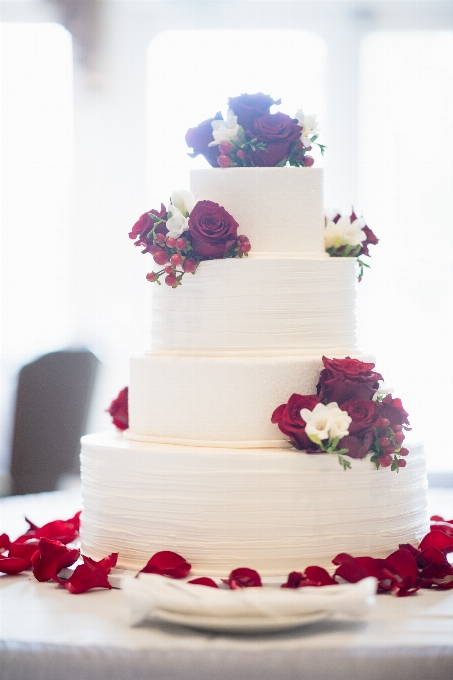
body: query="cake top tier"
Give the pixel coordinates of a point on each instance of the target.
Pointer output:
(280, 209)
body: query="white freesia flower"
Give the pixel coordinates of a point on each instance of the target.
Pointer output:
(225, 130)
(177, 223)
(318, 422)
(331, 213)
(183, 200)
(344, 233)
(309, 125)
(340, 421)
(382, 391)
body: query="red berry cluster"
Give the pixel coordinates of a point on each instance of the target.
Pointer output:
(236, 153)
(171, 253)
(387, 445)
(298, 156)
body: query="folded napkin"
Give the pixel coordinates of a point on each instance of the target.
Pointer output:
(151, 594)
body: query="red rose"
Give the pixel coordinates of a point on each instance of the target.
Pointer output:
(364, 414)
(371, 240)
(143, 226)
(290, 422)
(198, 138)
(118, 409)
(359, 446)
(393, 410)
(213, 230)
(279, 132)
(345, 379)
(247, 107)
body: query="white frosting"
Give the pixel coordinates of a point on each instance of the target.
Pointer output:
(269, 305)
(216, 401)
(279, 209)
(271, 510)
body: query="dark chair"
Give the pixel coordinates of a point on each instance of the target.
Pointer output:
(52, 405)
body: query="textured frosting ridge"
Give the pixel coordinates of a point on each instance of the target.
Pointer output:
(272, 510)
(277, 305)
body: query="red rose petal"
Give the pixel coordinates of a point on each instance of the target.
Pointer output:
(243, 577)
(319, 577)
(4, 543)
(204, 581)
(24, 551)
(437, 539)
(295, 580)
(91, 574)
(404, 564)
(167, 563)
(12, 565)
(50, 558)
(61, 530)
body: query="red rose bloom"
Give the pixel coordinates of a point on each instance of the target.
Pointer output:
(393, 410)
(278, 131)
(247, 107)
(364, 414)
(345, 379)
(143, 226)
(118, 409)
(290, 422)
(359, 446)
(212, 229)
(371, 240)
(199, 137)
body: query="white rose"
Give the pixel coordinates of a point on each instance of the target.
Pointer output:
(318, 422)
(344, 233)
(183, 200)
(177, 223)
(225, 130)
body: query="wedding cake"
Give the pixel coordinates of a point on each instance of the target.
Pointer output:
(207, 466)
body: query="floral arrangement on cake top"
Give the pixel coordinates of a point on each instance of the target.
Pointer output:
(119, 410)
(251, 136)
(348, 236)
(184, 234)
(350, 415)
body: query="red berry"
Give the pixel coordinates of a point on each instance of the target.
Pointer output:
(189, 265)
(241, 154)
(309, 161)
(245, 247)
(176, 259)
(402, 463)
(404, 452)
(151, 277)
(242, 238)
(170, 280)
(170, 243)
(399, 437)
(160, 238)
(168, 269)
(397, 428)
(224, 161)
(384, 442)
(382, 424)
(181, 243)
(225, 147)
(389, 449)
(385, 460)
(160, 257)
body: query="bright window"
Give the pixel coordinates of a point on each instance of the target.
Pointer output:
(406, 172)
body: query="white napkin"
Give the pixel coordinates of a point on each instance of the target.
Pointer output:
(151, 594)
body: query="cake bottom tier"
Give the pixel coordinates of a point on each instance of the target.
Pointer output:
(268, 509)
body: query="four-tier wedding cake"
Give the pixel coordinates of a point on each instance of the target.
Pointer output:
(207, 468)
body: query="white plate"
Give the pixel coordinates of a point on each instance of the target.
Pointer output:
(241, 625)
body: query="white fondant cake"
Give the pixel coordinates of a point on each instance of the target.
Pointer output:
(202, 470)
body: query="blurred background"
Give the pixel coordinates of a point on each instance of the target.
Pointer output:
(96, 98)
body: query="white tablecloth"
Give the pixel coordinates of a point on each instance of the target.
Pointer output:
(48, 634)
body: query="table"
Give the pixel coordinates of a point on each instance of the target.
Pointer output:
(48, 634)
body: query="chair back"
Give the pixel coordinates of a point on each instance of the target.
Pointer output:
(52, 405)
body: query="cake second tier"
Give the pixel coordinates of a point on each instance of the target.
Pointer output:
(269, 305)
